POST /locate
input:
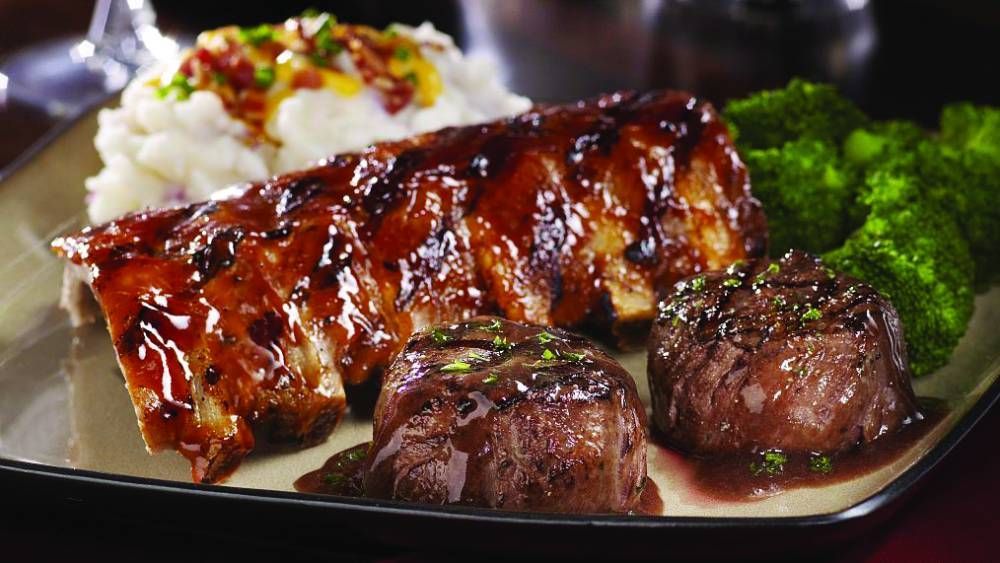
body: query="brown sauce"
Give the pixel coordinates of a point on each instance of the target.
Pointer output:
(342, 474)
(650, 503)
(748, 477)
(734, 478)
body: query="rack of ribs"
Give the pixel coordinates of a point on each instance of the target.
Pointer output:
(254, 310)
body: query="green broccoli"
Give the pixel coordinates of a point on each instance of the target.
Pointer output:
(922, 208)
(806, 191)
(968, 185)
(973, 128)
(965, 184)
(802, 109)
(864, 145)
(913, 252)
(873, 146)
(969, 174)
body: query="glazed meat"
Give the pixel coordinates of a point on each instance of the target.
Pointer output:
(508, 415)
(255, 310)
(784, 354)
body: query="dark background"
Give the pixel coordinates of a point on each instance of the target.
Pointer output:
(896, 59)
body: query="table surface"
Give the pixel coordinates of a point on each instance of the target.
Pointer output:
(879, 55)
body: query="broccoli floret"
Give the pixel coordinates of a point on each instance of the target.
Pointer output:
(913, 252)
(965, 184)
(806, 191)
(863, 146)
(872, 146)
(802, 109)
(972, 128)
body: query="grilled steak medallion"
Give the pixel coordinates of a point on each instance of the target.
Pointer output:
(508, 415)
(784, 354)
(257, 309)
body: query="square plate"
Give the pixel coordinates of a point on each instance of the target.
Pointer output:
(66, 422)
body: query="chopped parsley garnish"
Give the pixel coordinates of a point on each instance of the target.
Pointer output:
(401, 53)
(779, 302)
(772, 268)
(812, 314)
(335, 479)
(456, 367)
(820, 464)
(263, 76)
(501, 344)
(574, 356)
(177, 89)
(735, 266)
(698, 283)
(731, 282)
(219, 78)
(545, 337)
(258, 35)
(829, 272)
(494, 326)
(772, 463)
(548, 355)
(356, 454)
(439, 336)
(676, 321)
(492, 378)
(410, 77)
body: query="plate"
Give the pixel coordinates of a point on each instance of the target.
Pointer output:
(67, 427)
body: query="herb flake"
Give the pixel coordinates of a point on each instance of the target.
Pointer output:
(457, 366)
(258, 35)
(439, 336)
(812, 314)
(263, 77)
(545, 337)
(179, 88)
(772, 463)
(335, 479)
(501, 344)
(401, 53)
(698, 283)
(819, 463)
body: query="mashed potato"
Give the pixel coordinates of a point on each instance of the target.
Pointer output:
(161, 151)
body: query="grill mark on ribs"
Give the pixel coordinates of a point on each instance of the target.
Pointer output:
(484, 219)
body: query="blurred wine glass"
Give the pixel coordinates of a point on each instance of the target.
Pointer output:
(65, 76)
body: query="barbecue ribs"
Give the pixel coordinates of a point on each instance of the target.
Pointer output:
(252, 311)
